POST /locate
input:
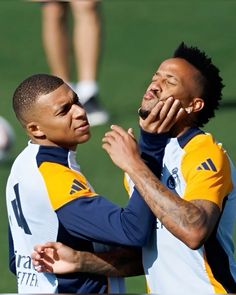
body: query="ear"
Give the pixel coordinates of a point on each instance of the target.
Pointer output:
(34, 129)
(196, 105)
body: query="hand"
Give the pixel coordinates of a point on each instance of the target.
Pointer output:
(163, 116)
(121, 147)
(55, 257)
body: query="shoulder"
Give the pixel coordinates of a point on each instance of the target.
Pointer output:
(64, 184)
(204, 148)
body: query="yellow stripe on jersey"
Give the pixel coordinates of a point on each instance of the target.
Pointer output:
(147, 288)
(63, 184)
(206, 171)
(218, 288)
(126, 184)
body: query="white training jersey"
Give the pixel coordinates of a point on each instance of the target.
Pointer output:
(43, 222)
(42, 181)
(195, 168)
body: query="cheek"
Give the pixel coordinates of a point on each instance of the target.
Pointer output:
(148, 104)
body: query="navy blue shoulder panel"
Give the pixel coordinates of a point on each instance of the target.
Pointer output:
(188, 135)
(52, 154)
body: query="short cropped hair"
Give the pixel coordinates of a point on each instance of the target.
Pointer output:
(210, 81)
(29, 90)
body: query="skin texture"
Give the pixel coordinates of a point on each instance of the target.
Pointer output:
(61, 259)
(85, 40)
(191, 222)
(173, 100)
(58, 119)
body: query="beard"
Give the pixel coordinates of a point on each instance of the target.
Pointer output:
(143, 113)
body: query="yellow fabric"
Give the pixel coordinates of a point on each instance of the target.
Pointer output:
(218, 288)
(59, 180)
(206, 184)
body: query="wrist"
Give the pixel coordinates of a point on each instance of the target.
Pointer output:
(78, 261)
(137, 165)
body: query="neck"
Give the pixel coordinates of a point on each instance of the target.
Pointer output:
(49, 143)
(183, 125)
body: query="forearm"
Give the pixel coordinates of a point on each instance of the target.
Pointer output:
(121, 261)
(182, 218)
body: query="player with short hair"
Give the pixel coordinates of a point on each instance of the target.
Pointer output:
(48, 197)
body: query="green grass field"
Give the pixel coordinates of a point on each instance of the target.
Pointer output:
(137, 36)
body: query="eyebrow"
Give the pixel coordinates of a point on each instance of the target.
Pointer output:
(67, 104)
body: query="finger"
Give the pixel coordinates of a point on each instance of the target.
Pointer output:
(38, 248)
(44, 268)
(35, 262)
(173, 115)
(54, 245)
(119, 130)
(131, 132)
(153, 114)
(109, 137)
(34, 255)
(167, 107)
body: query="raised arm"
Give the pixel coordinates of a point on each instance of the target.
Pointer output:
(190, 221)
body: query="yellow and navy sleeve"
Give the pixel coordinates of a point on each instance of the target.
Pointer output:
(89, 216)
(64, 184)
(206, 170)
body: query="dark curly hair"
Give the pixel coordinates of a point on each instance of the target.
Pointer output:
(30, 89)
(211, 81)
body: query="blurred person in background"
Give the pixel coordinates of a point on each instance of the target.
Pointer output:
(6, 138)
(86, 47)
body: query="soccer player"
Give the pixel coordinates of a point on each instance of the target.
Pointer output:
(191, 250)
(48, 197)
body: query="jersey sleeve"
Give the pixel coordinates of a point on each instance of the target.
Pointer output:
(86, 215)
(206, 171)
(152, 146)
(97, 219)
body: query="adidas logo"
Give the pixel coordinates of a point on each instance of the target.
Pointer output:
(207, 165)
(76, 186)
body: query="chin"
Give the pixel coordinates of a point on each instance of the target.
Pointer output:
(143, 113)
(84, 138)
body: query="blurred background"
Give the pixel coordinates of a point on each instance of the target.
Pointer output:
(136, 36)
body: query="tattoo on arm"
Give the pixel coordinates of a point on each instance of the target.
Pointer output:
(182, 218)
(120, 261)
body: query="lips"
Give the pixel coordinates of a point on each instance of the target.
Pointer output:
(149, 95)
(84, 125)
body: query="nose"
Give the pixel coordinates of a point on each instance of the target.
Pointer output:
(156, 86)
(78, 111)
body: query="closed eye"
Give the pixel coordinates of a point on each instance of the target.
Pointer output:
(170, 82)
(64, 109)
